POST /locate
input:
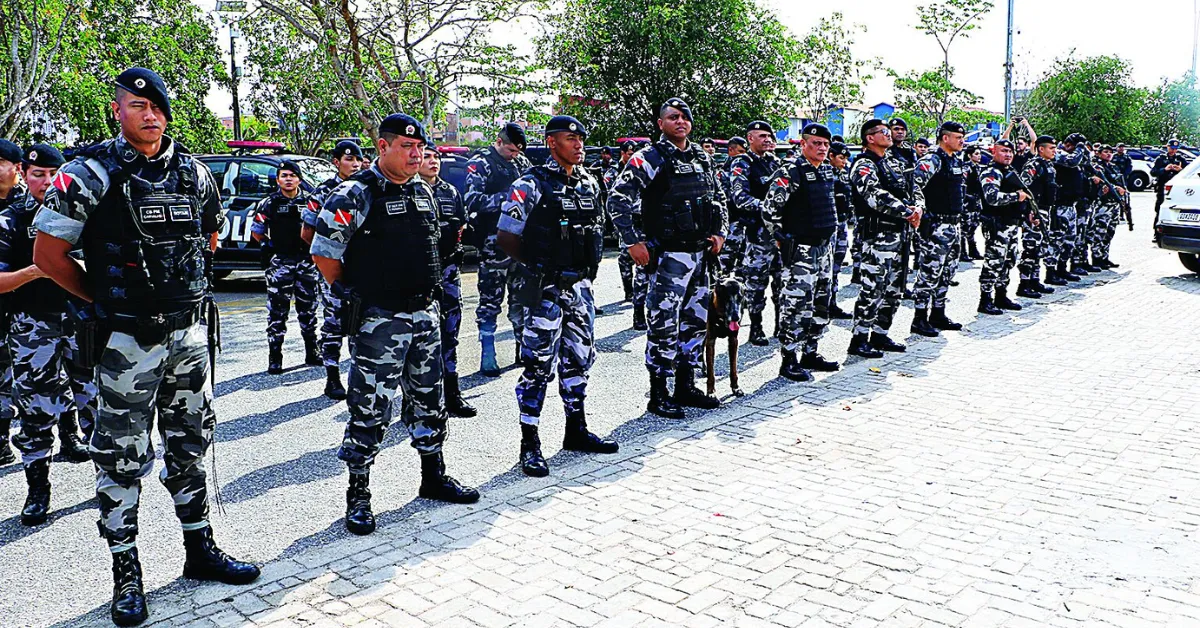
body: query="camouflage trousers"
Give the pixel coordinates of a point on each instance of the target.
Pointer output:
(494, 278)
(856, 247)
(937, 262)
(1104, 229)
(137, 383)
(971, 220)
(807, 285)
(288, 279)
(677, 309)
(450, 305)
(1062, 236)
(558, 333)
(1034, 245)
(394, 351)
(1083, 231)
(760, 266)
(634, 274)
(331, 326)
(882, 282)
(734, 249)
(841, 244)
(1000, 255)
(7, 409)
(46, 382)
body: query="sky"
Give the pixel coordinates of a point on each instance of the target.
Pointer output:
(1155, 37)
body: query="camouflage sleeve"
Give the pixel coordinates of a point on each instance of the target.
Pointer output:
(477, 201)
(610, 177)
(865, 181)
(627, 192)
(783, 182)
(460, 208)
(342, 214)
(1070, 160)
(739, 186)
(312, 209)
(722, 228)
(523, 196)
(209, 195)
(990, 182)
(1028, 174)
(6, 241)
(929, 165)
(262, 217)
(74, 195)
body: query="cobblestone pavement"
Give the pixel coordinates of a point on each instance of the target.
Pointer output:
(1037, 469)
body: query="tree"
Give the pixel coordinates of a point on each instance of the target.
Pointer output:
(505, 92)
(1093, 96)
(732, 60)
(1172, 110)
(32, 32)
(829, 74)
(946, 21)
(931, 95)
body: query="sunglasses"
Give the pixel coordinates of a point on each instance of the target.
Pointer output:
(886, 131)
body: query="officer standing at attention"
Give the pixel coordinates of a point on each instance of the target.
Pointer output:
(1035, 239)
(144, 211)
(839, 158)
(1108, 209)
(731, 254)
(633, 277)
(920, 147)
(47, 386)
(291, 274)
(1069, 166)
(943, 176)
(683, 213)
(800, 213)
(1004, 209)
(887, 202)
(348, 159)
(749, 177)
(553, 225)
(377, 245)
(709, 146)
(972, 205)
(10, 193)
(1166, 166)
(490, 172)
(1123, 162)
(452, 218)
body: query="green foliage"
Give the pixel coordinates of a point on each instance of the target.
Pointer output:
(1172, 110)
(506, 89)
(945, 21)
(31, 36)
(930, 95)
(829, 73)
(1093, 96)
(618, 60)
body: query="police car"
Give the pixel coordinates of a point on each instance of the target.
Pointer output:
(1179, 219)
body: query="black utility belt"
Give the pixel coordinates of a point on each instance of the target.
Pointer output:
(410, 305)
(566, 279)
(683, 246)
(943, 218)
(134, 324)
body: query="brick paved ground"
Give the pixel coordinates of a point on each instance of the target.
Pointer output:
(1039, 469)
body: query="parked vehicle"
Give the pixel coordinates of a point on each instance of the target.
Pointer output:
(1179, 219)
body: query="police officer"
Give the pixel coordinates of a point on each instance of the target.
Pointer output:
(968, 249)
(1005, 207)
(921, 147)
(1165, 167)
(800, 214)
(452, 218)
(839, 158)
(887, 201)
(683, 214)
(377, 244)
(291, 274)
(749, 177)
(1094, 186)
(144, 211)
(553, 225)
(731, 254)
(348, 159)
(942, 175)
(11, 192)
(490, 172)
(47, 387)
(1035, 238)
(709, 146)
(1123, 162)
(1069, 165)
(1108, 209)
(633, 277)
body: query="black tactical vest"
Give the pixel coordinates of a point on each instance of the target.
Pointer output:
(892, 180)
(1012, 213)
(143, 243)
(810, 214)
(678, 207)
(40, 296)
(944, 192)
(564, 231)
(449, 220)
(501, 174)
(284, 225)
(1070, 184)
(392, 259)
(1045, 184)
(841, 196)
(759, 176)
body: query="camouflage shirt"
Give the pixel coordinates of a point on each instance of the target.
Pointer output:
(309, 215)
(14, 217)
(479, 171)
(267, 209)
(525, 195)
(864, 180)
(788, 180)
(346, 210)
(15, 196)
(739, 181)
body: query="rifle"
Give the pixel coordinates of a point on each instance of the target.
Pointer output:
(1127, 209)
(212, 320)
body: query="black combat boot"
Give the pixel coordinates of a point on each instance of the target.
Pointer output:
(1003, 302)
(1053, 278)
(455, 403)
(921, 326)
(1091, 268)
(1027, 290)
(333, 384)
(312, 356)
(70, 445)
(533, 463)
(883, 343)
(975, 254)
(758, 337)
(128, 606)
(274, 359)
(203, 560)
(987, 306)
(1041, 287)
(37, 502)
(435, 484)
(856, 276)
(639, 317)
(627, 284)
(360, 519)
(1109, 264)
(860, 345)
(1062, 272)
(686, 393)
(1079, 268)
(836, 312)
(661, 402)
(939, 320)
(790, 368)
(964, 254)
(578, 438)
(814, 361)
(7, 456)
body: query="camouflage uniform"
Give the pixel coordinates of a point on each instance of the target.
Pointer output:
(749, 177)
(291, 273)
(633, 277)
(488, 178)
(942, 177)
(451, 217)
(331, 324)
(7, 409)
(731, 255)
(1035, 240)
(841, 237)
(1069, 174)
(972, 209)
(150, 365)
(1108, 211)
(1003, 215)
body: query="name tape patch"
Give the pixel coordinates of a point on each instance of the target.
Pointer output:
(153, 213)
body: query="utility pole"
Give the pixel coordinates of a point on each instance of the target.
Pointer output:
(1195, 35)
(1008, 68)
(231, 9)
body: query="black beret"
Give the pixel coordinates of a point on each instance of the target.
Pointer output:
(1005, 143)
(559, 124)
(922, 142)
(898, 122)
(868, 125)
(148, 85)
(1105, 147)
(430, 145)
(628, 146)
(759, 125)
(676, 103)
(288, 164)
(1045, 139)
(838, 148)
(837, 138)
(403, 125)
(1121, 145)
(1173, 143)
(950, 126)
(819, 130)
(514, 133)
(970, 150)
(707, 140)
(604, 150)
(10, 152)
(346, 148)
(737, 140)
(43, 156)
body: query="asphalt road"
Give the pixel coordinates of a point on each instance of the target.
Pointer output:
(281, 485)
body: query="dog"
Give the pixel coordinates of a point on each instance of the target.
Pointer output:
(724, 321)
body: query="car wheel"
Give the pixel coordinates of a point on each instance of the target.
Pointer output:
(1139, 181)
(1190, 261)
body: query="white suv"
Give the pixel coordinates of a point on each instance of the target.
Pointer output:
(1179, 219)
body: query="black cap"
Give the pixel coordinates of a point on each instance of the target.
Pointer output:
(921, 142)
(838, 138)
(1174, 143)
(819, 130)
(430, 145)
(707, 140)
(147, 84)
(867, 126)
(347, 148)
(43, 156)
(10, 152)
(838, 148)
(1044, 139)
(759, 125)
(514, 133)
(676, 103)
(1120, 144)
(970, 149)
(628, 146)
(403, 125)
(1005, 143)
(898, 122)
(1075, 138)
(950, 126)
(288, 164)
(568, 124)
(1105, 147)
(737, 140)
